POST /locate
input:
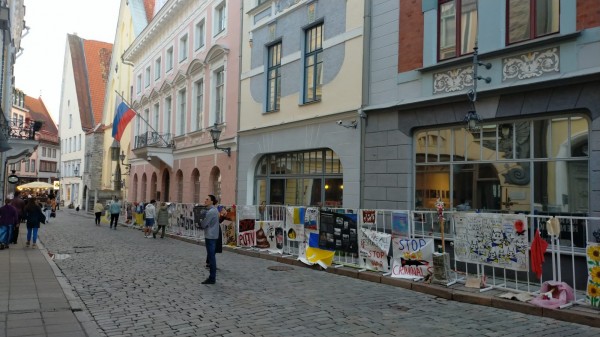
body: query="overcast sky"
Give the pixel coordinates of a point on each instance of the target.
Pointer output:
(38, 71)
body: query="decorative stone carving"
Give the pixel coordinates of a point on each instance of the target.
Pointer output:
(453, 80)
(532, 64)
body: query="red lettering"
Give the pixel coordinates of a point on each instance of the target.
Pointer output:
(246, 239)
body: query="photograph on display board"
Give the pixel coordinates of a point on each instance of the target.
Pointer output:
(228, 231)
(368, 217)
(374, 248)
(400, 224)
(269, 235)
(246, 233)
(498, 240)
(412, 258)
(294, 223)
(593, 284)
(338, 232)
(311, 218)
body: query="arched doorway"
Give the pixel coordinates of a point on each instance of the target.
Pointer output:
(135, 188)
(144, 186)
(166, 186)
(179, 179)
(154, 186)
(196, 182)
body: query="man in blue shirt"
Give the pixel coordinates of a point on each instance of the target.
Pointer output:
(115, 209)
(210, 224)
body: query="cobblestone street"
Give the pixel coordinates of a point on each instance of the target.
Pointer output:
(133, 286)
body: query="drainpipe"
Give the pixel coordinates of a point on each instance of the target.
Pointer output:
(366, 88)
(239, 106)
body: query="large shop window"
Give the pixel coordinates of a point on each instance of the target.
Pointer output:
(530, 19)
(533, 166)
(309, 178)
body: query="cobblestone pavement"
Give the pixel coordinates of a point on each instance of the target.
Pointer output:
(133, 286)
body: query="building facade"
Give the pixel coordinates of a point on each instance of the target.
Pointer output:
(186, 83)
(301, 98)
(535, 90)
(85, 72)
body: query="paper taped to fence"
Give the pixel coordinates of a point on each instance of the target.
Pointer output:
(593, 284)
(228, 230)
(269, 236)
(413, 258)
(294, 223)
(498, 240)
(374, 247)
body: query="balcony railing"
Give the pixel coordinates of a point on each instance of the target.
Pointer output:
(153, 139)
(22, 129)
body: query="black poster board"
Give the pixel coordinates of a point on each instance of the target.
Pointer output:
(338, 232)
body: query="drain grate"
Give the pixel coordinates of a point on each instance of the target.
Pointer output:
(280, 268)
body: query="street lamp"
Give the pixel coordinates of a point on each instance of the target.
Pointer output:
(76, 171)
(122, 157)
(215, 134)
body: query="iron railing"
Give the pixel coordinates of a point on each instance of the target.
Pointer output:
(154, 139)
(22, 129)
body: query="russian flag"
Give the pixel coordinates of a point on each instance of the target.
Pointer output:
(123, 116)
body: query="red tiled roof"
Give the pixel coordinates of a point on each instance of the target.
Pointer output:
(38, 112)
(97, 58)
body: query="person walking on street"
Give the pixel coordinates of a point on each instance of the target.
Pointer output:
(8, 217)
(98, 209)
(210, 224)
(162, 220)
(115, 209)
(47, 209)
(150, 212)
(34, 215)
(19, 204)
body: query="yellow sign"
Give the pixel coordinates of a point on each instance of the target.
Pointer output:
(56, 184)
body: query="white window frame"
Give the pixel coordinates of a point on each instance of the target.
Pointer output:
(157, 68)
(181, 110)
(199, 34)
(169, 59)
(220, 18)
(167, 114)
(218, 102)
(183, 48)
(138, 84)
(198, 104)
(147, 77)
(156, 115)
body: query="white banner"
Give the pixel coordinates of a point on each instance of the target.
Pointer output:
(413, 258)
(294, 223)
(269, 236)
(373, 249)
(498, 240)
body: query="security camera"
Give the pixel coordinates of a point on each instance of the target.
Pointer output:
(339, 122)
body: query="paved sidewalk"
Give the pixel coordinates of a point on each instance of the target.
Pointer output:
(35, 299)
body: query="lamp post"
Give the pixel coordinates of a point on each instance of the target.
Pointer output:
(128, 166)
(215, 134)
(472, 119)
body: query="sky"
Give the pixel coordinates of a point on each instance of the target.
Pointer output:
(38, 71)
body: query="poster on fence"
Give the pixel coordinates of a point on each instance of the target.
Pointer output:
(374, 247)
(228, 231)
(247, 212)
(593, 285)
(294, 223)
(412, 258)
(246, 235)
(400, 224)
(269, 236)
(338, 232)
(498, 240)
(311, 219)
(368, 217)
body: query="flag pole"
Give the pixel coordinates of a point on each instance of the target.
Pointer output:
(140, 116)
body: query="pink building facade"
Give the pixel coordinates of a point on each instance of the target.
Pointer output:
(185, 84)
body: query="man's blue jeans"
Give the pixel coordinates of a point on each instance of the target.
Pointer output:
(4, 235)
(211, 246)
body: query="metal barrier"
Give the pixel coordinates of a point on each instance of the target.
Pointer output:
(565, 257)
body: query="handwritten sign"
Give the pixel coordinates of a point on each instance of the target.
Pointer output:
(246, 236)
(368, 217)
(373, 248)
(413, 258)
(499, 240)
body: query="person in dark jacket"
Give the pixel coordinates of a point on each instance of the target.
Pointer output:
(8, 217)
(19, 204)
(35, 216)
(162, 219)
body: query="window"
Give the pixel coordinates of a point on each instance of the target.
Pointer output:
(539, 165)
(530, 19)
(456, 36)
(157, 69)
(169, 59)
(156, 116)
(167, 120)
(198, 103)
(220, 18)
(27, 166)
(43, 151)
(32, 165)
(79, 143)
(138, 84)
(274, 78)
(147, 77)
(311, 178)
(70, 121)
(146, 118)
(313, 64)
(219, 94)
(181, 110)
(196, 181)
(183, 48)
(53, 153)
(199, 35)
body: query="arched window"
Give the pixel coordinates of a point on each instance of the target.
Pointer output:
(144, 197)
(179, 178)
(196, 182)
(215, 179)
